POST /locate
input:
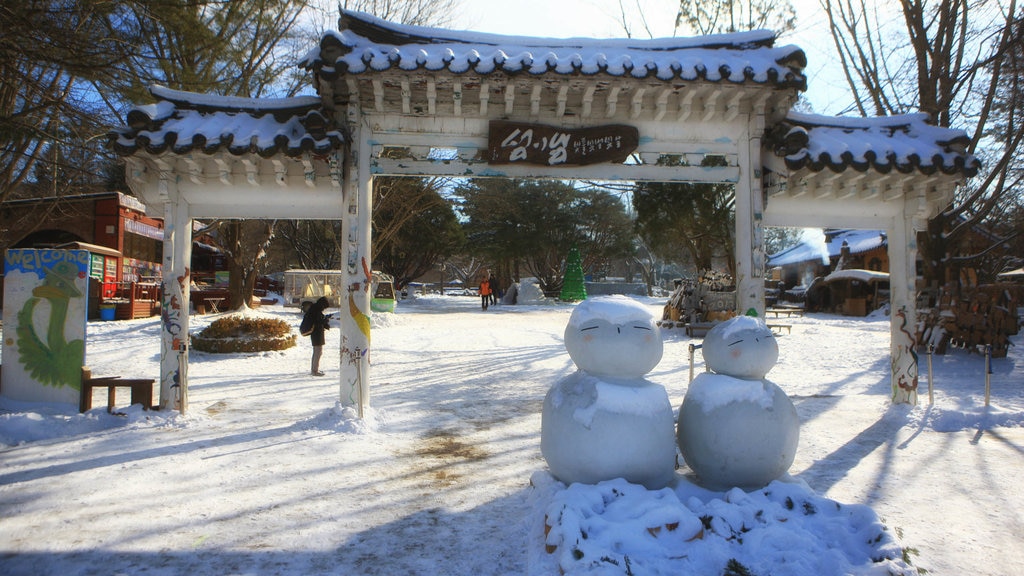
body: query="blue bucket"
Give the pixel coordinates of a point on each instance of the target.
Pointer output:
(107, 313)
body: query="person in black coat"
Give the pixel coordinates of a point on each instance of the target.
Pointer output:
(313, 325)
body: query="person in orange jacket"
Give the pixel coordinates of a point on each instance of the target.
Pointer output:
(485, 290)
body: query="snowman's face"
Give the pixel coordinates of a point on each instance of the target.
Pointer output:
(606, 339)
(742, 347)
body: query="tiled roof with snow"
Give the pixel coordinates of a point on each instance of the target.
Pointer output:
(905, 144)
(368, 44)
(182, 122)
(866, 276)
(859, 241)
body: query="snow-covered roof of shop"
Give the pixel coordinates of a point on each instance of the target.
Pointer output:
(807, 250)
(368, 44)
(185, 121)
(866, 276)
(904, 143)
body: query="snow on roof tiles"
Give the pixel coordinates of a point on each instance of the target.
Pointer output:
(859, 241)
(184, 121)
(905, 143)
(368, 44)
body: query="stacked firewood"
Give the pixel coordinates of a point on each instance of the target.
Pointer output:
(986, 315)
(711, 298)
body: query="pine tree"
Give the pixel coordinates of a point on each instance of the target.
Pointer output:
(573, 288)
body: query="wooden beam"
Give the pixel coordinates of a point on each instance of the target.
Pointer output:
(510, 97)
(431, 96)
(635, 172)
(535, 99)
(378, 94)
(891, 193)
(252, 170)
(195, 169)
(485, 97)
(637, 103)
(353, 90)
(563, 97)
(308, 169)
(711, 105)
(406, 97)
(457, 97)
(613, 101)
(662, 104)
(732, 109)
(280, 171)
(850, 186)
(588, 100)
(223, 168)
(686, 105)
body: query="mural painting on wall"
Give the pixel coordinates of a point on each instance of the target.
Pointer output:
(45, 304)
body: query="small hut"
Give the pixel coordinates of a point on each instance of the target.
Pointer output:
(856, 292)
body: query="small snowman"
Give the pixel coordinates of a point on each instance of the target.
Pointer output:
(737, 429)
(606, 420)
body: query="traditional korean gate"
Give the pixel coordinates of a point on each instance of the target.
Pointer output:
(407, 101)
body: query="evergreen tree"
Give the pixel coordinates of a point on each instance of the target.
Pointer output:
(574, 288)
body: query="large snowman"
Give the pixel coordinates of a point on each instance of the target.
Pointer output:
(737, 429)
(606, 420)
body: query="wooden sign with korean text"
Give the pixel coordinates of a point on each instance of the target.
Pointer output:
(512, 142)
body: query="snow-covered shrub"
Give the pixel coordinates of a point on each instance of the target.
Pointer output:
(244, 334)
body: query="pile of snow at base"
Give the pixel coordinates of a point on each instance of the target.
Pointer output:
(529, 292)
(785, 528)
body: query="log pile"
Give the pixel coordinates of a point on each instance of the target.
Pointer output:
(986, 315)
(712, 298)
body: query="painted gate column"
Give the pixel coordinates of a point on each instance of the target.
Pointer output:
(174, 308)
(356, 267)
(749, 211)
(903, 306)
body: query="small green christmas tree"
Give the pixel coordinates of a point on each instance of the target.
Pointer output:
(573, 288)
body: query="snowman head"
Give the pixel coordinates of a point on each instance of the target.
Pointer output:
(613, 336)
(742, 347)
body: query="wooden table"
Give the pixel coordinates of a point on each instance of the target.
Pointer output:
(214, 303)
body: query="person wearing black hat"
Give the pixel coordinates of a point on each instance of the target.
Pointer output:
(313, 325)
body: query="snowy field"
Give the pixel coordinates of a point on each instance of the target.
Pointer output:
(266, 475)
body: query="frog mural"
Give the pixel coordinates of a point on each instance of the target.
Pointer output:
(45, 296)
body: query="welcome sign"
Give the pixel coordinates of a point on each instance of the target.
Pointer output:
(510, 142)
(45, 304)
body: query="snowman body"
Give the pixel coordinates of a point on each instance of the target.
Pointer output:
(606, 420)
(736, 428)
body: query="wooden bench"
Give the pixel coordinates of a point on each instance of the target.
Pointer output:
(787, 311)
(778, 328)
(141, 388)
(695, 329)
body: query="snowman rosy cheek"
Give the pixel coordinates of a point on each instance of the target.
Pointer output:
(735, 352)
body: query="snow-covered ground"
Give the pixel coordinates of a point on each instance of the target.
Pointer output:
(267, 475)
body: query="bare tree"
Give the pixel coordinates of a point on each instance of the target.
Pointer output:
(233, 48)
(727, 16)
(49, 52)
(960, 62)
(698, 17)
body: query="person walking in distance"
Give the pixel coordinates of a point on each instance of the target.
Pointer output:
(314, 323)
(492, 282)
(485, 291)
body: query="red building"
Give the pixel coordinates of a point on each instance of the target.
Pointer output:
(126, 245)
